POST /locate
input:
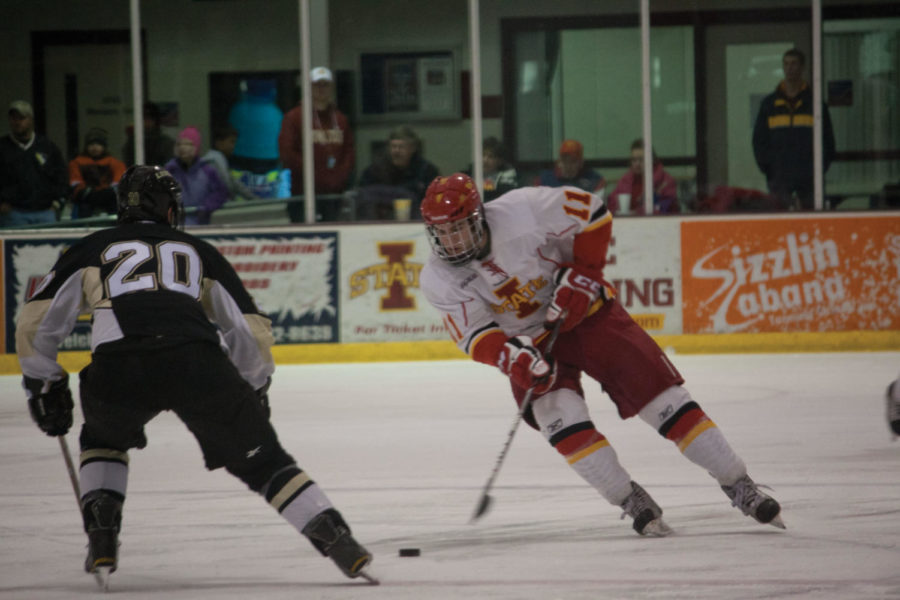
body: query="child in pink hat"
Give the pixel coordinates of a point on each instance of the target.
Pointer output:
(202, 188)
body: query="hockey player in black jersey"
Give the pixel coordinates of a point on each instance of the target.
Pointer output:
(172, 329)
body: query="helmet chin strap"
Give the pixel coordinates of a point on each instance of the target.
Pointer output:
(170, 216)
(486, 247)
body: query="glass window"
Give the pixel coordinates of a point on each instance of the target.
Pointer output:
(862, 87)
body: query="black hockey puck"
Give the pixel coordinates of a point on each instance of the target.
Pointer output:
(410, 552)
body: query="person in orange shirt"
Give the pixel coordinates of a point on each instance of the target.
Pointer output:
(570, 169)
(94, 175)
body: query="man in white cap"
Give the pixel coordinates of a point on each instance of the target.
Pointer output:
(33, 178)
(333, 151)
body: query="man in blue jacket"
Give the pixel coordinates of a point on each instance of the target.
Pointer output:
(783, 137)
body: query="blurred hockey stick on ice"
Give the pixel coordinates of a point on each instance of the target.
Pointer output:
(101, 576)
(70, 467)
(485, 501)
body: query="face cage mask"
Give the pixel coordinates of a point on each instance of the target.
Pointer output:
(470, 238)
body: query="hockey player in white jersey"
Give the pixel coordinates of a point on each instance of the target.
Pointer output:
(503, 273)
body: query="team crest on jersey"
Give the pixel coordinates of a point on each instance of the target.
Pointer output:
(395, 277)
(518, 298)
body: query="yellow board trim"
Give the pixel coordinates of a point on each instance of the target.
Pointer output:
(726, 343)
(589, 450)
(798, 341)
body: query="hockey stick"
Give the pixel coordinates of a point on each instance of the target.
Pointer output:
(101, 575)
(485, 501)
(70, 467)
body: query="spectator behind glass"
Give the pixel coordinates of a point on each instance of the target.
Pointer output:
(333, 150)
(157, 145)
(202, 188)
(33, 182)
(400, 173)
(631, 187)
(223, 143)
(570, 170)
(783, 137)
(93, 176)
(499, 176)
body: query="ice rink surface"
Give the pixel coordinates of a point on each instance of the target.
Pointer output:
(403, 450)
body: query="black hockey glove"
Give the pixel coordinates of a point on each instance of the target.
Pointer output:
(262, 394)
(52, 409)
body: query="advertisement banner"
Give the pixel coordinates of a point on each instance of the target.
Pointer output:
(380, 295)
(292, 278)
(25, 262)
(644, 265)
(797, 274)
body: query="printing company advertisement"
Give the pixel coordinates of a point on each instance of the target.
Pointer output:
(292, 278)
(25, 263)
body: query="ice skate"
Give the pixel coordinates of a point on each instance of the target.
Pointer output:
(102, 514)
(646, 513)
(745, 495)
(331, 536)
(893, 412)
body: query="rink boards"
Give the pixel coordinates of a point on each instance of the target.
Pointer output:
(787, 282)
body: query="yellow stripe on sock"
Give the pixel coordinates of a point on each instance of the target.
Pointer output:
(289, 489)
(589, 450)
(361, 562)
(693, 433)
(104, 453)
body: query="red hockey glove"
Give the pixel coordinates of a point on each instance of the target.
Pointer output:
(525, 365)
(575, 293)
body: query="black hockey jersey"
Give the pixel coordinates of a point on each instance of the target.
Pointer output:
(140, 281)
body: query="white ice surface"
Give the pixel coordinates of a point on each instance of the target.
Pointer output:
(403, 450)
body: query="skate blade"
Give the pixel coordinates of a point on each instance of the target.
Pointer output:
(101, 576)
(777, 522)
(657, 528)
(372, 580)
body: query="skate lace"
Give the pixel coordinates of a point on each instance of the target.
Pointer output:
(636, 503)
(747, 495)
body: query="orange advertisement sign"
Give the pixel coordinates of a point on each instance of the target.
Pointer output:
(775, 275)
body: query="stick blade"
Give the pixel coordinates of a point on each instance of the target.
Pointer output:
(484, 505)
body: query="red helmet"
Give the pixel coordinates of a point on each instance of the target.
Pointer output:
(454, 217)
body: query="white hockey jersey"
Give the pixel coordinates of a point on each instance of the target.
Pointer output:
(532, 232)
